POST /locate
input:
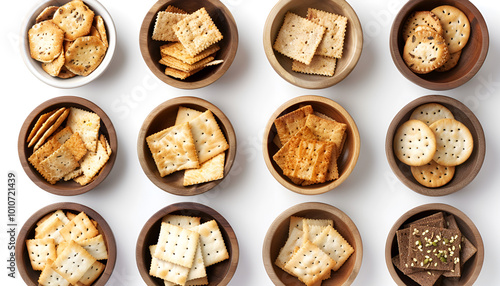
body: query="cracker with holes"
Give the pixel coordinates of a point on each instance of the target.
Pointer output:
(290, 123)
(425, 51)
(210, 170)
(298, 222)
(39, 251)
(294, 241)
(50, 229)
(50, 277)
(167, 271)
(176, 245)
(93, 162)
(57, 165)
(311, 231)
(332, 44)
(85, 55)
(79, 228)
(74, 18)
(456, 26)
(454, 142)
(208, 137)
(213, 247)
(181, 220)
(336, 246)
(177, 50)
(414, 143)
(433, 175)
(451, 62)
(45, 41)
(186, 114)
(421, 18)
(163, 26)
(431, 112)
(95, 246)
(73, 262)
(87, 125)
(320, 65)
(92, 273)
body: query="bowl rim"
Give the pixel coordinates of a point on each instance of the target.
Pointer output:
(29, 169)
(35, 67)
(290, 77)
(234, 258)
(393, 161)
(327, 186)
(152, 174)
(143, 41)
(35, 217)
(266, 256)
(431, 207)
(413, 77)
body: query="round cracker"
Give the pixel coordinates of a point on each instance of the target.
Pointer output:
(454, 142)
(85, 55)
(45, 41)
(451, 63)
(433, 175)
(414, 143)
(431, 112)
(75, 19)
(421, 18)
(425, 51)
(46, 14)
(455, 25)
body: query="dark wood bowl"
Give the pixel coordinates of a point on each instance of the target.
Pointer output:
(473, 54)
(470, 270)
(65, 188)
(223, 19)
(218, 274)
(353, 43)
(31, 276)
(277, 235)
(464, 173)
(347, 158)
(163, 117)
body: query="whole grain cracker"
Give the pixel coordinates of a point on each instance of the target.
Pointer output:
(45, 41)
(65, 73)
(212, 243)
(163, 26)
(73, 174)
(176, 245)
(92, 273)
(186, 114)
(74, 18)
(320, 65)
(425, 51)
(46, 125)
(52, 128)
(85, 55)
(73, 262)
(450, 63)
(87, 125)
(46, 14)
(454, 142)
(210, 170)
(456, 26)
(54, 67)
(39, 250)
(43, 152)
(421, 18)
(180, 65)
(332, 44)
(433, 175)
(423, 278)
(298, 38)
(208, 137)
(79, 228)
(431, 112)
(178, 51)
(414, 143)
(290, 123)
(327, 130)
(308, 160)
(58, 164)
(335, 245)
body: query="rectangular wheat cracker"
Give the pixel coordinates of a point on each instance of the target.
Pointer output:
(87, 124)
(290, 123)
(41, 119)
(95, 246)
(163, 26)
(173, 273)
(333, 41)
(46, 125)
(308, 160)
(297, 222)
(50, 277)
(52, 129)
(181, 220)
(92, 273)
(294, 240)
(58, 164)
(182, 66)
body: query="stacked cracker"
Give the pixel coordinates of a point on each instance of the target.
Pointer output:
(313, 249)
(432, 247)
(435, 39)
(314, 43)
(192, 41)
(76, 152)
(185, 248)
(310, 146)
(195, 144)
(68, 40)
(68, 249)
(433, 143)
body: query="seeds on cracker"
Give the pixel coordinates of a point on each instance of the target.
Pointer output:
(425, 51)
(419, 19)
(85, 55)
(45, 41)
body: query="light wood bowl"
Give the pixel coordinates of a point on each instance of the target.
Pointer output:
(163, 117)
(31, 276)
(471, 269)
(353, 44)
(277, 235)
(65, 188)
(473, 54)
(464, 173)
(35, 67)
(218, 274)
(347, 158)
(223, 19)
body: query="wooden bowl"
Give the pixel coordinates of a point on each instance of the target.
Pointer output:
(65, 188)
(31, 276)
(163, 117)
(473, 54)
(353, 43)
(470, 270)
(218, 274)
(35, 67)
(278, 233)
(223, 19)
(347, 158)
(464, 173)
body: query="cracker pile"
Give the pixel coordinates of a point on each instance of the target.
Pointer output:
(68, 249)
(433, 142)
(195, 144)
(76, 152)
(314, 43)
(310, 144)
(431, 248)
(192, 41)
(69, 40)
(185, 248)
(435, 39)
(313, 249)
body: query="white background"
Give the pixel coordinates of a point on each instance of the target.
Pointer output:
(249, 198)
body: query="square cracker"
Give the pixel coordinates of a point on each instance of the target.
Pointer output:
(167, 271)
(58, 213)
(87, 124)
(181, 220)
(210, 170)
(163, 26)
(39, 250)
(308, 160)
(298, 38)
(198, 270)
(213, 246)
(423, 278)
(178, 51)
(50, 229)
(43, 153)
(173, 149)
(182, 66)
(79, 228)
(76, 146)
(95, 246)
(289, 124)
(327, 130)
(85, 55)
(319, 65)
(49, 277)
(333, 41)
(186, 114)
(208, 138)
(297, 222)
(311, 231)
(294, 240)
(197, 32)
(58, 164)
(333, 244)
(92, 273)
(92, 162)
(62, 135)
(176, 245)
(73, 262)
(173, 9)
(180, 74)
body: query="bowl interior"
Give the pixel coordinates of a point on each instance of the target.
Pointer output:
(36, 67)
(31, 276)
(465, 172)
(224, 21)
(278, 234)
(473, 54)
(163, 117)
(353, 42)
(218, 274)
(65, 188)
(347, 158)
(470, 270)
